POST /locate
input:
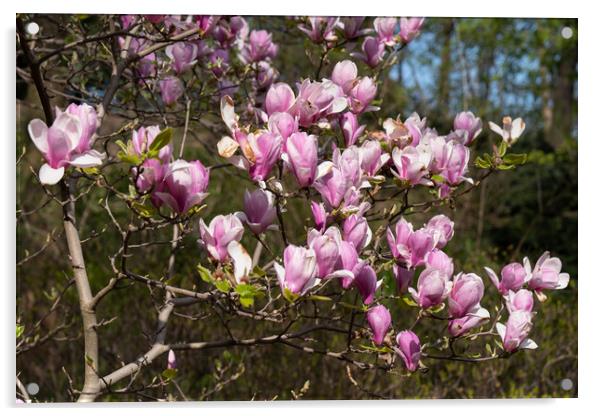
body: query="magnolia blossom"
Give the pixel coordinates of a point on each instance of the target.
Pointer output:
(259, 210)
(344, 75)
(373, 52)
(319, 213)
(222, 230)
(437, 259)
(519, 301)
(185, 184)
(466, 294)
(457, 165)
(514, 276)
(411, 165)
(171, 360)
(279, 98)
(317, 100)
(357, 231)
(182, 55)
(282, 124)
(440, 150)
(373, 158)
(467, 126)
(409, 349)
(460, 326)
(171, 89)
(409, 28)
(433, 287)
(408, 246)
(243, 265)
(510, 131)
(88, 120)
(546, 274)
(326, 249)
(320, 28)
(149, 177)
(361, 95)
(259, 47)
(379, 319)
(350, 128)
(514, 334)
(266, 74)
(144, 137)
(331, 184)
(219, 62)
(441, 228)
(59, 145)
(206, 23)
(301, 157)
(403, 277)
(352, 26)
(385, 30)
(299, 272)
(261, 150)
(348, 261)
(365, 281)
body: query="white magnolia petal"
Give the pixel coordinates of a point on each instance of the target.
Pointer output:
(87, 160)
(241, 260)
(528, 344)
(501, 330)
(50, 176)
(38, 132)
(227, 146)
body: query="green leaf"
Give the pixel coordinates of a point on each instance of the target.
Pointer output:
(222, 285)
(515, 158)
(258, 271)
(131, 159)
(205, 274)
(169, 373)
(409, 301)
(438, 178)
(161, 140)
(503, 148)
(376, 349)
(122, 145)
(20, 330)
(142, 209)
(290, 296)
(247, 301)
(438, 308)
(481, 163)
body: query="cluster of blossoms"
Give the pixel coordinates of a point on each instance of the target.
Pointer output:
(67, 142)
(386, 34)
(219, 39)
(179, 184)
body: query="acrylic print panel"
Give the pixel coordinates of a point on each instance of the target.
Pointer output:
(281, 208)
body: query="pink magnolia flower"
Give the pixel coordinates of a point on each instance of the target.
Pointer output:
(155, 18)
(259, 47)
(514, 276)
(351, 128)
(206, 23)
(409, 28)
(514, 334)
(546, 274)
(88, 121)
(317, 100)
(266, 74)
(350, 164)
(59, 143)
(361, 95)
(437, 259)
(150, 178)
(457, 164)
(344, 75)
(182, 55)
(441, 228)
(222, 230)
(379, 319)
(460, 326)
(299, 272)
(467, 126)
(301, 157)
(365, 281)
(373, 52)
(282, 124)
(185, 184)
(171, 360)
(433, 288)
(331, 184)
(408, 246)
(280, 98)
(144, 137)
(259, 210)
(171, 89)
(348, 261)
(356, 230)
(409, 349)
(411, 165)
(319, 214)
(373, 158)
(326, 248)
(519, 301)
(266, 149)
(127, 20)
(320, 29)
(385, 30)
(403, 277)
(219, 62)
(440, 150)
(466, 294)
(352, 26)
